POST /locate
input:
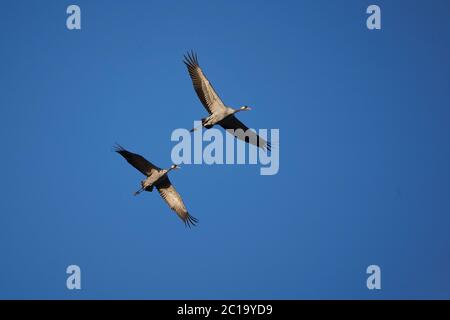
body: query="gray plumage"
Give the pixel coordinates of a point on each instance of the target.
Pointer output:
(219, 113)
(158, 178)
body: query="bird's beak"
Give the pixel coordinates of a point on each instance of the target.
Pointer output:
(248, 108)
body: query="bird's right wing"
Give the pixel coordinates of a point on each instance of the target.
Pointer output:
(202, 86)
(137, 161)
(234, 124)
(174, 200)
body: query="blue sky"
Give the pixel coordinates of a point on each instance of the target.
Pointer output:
(364, 176)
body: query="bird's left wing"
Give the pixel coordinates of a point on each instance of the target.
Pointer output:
(233, 123)
(139, 162)
(174, 200)
(202, 86)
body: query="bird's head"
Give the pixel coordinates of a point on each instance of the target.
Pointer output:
(245, 108)
(174, 166)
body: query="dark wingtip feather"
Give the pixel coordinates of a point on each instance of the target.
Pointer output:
(265, 145)
(190, 59)
(190, 221)
(118, 148)
(194, 54)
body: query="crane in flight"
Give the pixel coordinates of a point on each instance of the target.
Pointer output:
(219, 113)
(158, 178)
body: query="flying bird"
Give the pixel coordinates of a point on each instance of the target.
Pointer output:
(219, 113)
(158, 178)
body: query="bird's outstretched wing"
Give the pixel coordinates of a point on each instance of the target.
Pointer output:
(173, 199)
(202, 86)
(233, 123)
(137, 161)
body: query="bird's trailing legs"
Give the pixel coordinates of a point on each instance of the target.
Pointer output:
(144, 187)
(196, 128)
(139, 191)
(207, 123)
